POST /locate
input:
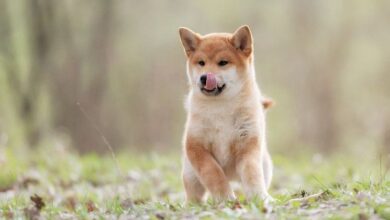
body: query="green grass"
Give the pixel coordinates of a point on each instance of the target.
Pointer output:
(149, 186)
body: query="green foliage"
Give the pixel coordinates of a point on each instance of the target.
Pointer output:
(89, 186)
(10, 172)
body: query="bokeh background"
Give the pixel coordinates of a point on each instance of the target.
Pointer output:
(325, 63)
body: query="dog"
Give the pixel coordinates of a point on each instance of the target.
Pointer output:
(224, 137)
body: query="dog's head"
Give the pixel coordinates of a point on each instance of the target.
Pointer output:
(219, 64)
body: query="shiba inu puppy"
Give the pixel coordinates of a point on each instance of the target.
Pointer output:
(224, 138)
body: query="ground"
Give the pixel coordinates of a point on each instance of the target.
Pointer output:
(58, 184)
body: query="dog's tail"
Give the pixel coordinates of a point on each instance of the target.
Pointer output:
(267, 103)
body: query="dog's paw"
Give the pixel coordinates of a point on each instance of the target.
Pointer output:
(268, 199)
(232, 196)
(223, 198)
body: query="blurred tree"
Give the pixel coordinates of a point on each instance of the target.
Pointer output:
(318, 92)
(91, 93)
(122, 60)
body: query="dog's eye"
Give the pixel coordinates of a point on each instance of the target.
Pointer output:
(222, 63)
(202, 63)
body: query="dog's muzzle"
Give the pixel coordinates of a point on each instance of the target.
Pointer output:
(209, 86)
(218, 90)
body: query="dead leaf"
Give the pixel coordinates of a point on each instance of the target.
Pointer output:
(363, 216)
(38, 202)
(70, 203)
(172, 207)
(91, 206)
(140, 201)
(236, 205)
(66, 184)
(25, 182)
(127, 204)
(160, 216)
(6, 188)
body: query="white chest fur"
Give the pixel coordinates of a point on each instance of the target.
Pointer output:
(219, 123)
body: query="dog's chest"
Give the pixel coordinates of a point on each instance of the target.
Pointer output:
(219, 129)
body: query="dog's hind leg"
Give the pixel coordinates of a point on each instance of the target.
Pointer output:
(251, 170)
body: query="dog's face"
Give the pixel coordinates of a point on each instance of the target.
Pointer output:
(218, 65)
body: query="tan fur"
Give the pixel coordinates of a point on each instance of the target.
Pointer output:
(224, 136)
(267, 103)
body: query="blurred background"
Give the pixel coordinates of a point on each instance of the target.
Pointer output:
(325, 63)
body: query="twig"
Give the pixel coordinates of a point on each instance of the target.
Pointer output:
(108, 145)
(307, 198)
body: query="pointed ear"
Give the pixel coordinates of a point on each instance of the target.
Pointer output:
(242, 40)
(189, 39)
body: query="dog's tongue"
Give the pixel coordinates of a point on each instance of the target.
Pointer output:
(211, 82)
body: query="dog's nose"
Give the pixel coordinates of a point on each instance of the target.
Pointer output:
(203, 79)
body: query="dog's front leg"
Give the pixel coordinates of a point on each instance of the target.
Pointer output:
(208, 171)
(250, 169)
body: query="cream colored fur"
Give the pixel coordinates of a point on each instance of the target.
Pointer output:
(222, 125)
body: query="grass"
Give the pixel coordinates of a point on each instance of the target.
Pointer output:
(65, 185)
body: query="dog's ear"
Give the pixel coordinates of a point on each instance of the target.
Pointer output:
(242, 40)
(189, 39)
